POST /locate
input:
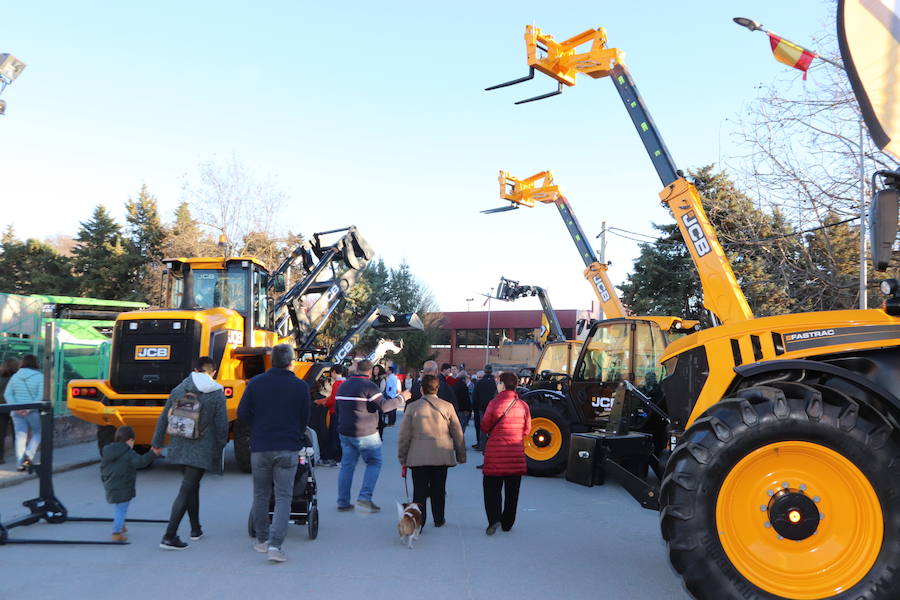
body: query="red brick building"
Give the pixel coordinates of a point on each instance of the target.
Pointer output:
(463, 337)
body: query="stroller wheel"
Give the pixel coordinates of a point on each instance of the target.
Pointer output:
(312, 521)
(250, 528)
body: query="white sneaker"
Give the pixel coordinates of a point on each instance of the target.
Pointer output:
(276, 554)
(261, 547)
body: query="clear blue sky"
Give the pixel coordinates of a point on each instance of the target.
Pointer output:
(374, 114)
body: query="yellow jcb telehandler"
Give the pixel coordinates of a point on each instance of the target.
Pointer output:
(783, 476)
(578, 399)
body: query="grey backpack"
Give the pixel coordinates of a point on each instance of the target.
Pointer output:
(184, 417)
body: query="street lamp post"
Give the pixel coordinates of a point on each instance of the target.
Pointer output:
(863, 275)
(10, 68)
(469, 304)
(487, 344)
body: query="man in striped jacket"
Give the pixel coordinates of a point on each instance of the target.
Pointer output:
(357, 404)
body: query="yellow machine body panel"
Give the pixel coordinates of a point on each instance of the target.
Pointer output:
(118, 408)
(782, 337)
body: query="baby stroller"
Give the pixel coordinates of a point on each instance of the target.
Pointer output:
(304, 505)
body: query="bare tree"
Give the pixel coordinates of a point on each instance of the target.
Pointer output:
(801, 157)
(229, 200)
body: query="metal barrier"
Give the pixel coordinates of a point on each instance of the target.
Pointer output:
(70, 361)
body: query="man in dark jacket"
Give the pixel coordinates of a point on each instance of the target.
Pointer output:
(118, 471)
(445, 392)
(485, 390)
(196, 456)
(357, 404)
(276, 406)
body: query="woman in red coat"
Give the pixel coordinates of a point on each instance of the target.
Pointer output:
(506, 420)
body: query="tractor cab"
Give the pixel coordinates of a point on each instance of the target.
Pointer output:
(238, 284)
(618, 350)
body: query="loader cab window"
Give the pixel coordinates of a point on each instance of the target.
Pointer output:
(607, 354)
(262, 316)
(221, 288)
(557, 358)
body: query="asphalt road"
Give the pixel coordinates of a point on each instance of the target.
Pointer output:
(568, 542)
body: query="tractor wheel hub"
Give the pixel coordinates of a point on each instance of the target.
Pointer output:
(793, 514)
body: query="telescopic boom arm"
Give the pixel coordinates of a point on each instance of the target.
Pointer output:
(351, 251)
(509, 290)
(381, 318)
(540, 188)
(721, 293)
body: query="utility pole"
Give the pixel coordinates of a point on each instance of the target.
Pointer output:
(602, 258)
(863, 220)
(487, 345)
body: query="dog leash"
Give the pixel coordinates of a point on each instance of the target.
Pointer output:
(406, 487)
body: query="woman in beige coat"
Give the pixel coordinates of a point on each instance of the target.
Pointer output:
(431, 440)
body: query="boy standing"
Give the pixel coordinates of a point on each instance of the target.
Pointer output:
(118, 471)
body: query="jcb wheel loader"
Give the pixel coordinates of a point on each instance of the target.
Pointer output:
(222, 308)
(784, 431)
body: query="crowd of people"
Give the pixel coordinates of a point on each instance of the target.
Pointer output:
(349, 415)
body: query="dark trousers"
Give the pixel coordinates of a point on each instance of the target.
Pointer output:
(332, 445)
(480, 438)
(187, 500)
(4, 427)
(509, 484)
(430, 482)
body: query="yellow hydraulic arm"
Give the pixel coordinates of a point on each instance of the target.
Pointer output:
(540, 188)
(561, 60)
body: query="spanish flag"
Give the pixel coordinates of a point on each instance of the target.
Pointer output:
(790, 53)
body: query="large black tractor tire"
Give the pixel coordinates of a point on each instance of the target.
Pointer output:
(547, 446)
(105, 435)
(241, 434)
(788, 490)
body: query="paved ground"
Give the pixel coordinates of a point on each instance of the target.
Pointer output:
(568, 542)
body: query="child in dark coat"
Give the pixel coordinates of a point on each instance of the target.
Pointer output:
(118, 470)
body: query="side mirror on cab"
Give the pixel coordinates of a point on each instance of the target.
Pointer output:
(279, 283)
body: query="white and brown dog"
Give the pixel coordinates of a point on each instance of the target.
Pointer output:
(410, 525)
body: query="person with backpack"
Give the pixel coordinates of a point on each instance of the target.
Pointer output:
(118, 471)
(507, 421)
(26, 386)
(195, 419)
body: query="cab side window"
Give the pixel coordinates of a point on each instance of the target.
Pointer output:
(648, 348)
(607, 354)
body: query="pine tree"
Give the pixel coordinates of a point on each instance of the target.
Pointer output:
(33, 267)
(147, 234)
(186, 238)
(104, 265)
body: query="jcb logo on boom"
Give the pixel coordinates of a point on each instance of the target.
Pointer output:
(152, 352)
(604, 293)
(695, 231)
(341, 354)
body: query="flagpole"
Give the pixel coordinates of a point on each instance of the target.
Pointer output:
(863, 275)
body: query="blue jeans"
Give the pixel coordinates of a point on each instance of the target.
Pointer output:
(22, 425)
(272, 469)
(464, 416)
(369, 447)
(119, 517)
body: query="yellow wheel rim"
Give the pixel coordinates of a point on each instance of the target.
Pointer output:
(545, 440)
(849, 526)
